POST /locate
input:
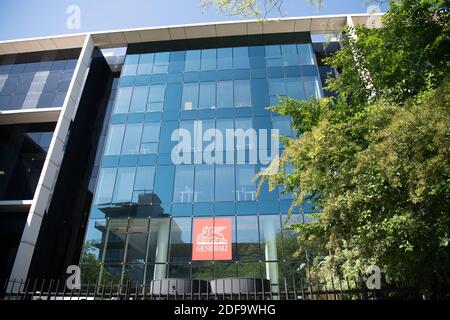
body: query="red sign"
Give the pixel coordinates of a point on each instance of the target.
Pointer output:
(212, 239)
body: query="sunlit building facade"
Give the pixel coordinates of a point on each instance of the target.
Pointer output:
(133, 153)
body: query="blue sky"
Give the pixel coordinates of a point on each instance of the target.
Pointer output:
(33, 18)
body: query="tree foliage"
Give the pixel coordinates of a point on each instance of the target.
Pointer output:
(255, 8)
(381, 166)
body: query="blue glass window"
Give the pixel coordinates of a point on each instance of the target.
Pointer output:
(150, 138)
(294, 88)
(105, 185)
(312, 87)
(207, 95)
(156, 98)
(132, 139)
(123, 189)
(242, 93)
(190, 96)
(225, 186)
(208, 60)
(306, 54)
(270, 231)
(240, 58)
(144, 178)
(146, 64)
(161, 64)
(290, 56)
(247, 237)
(204, 179)
(123, 99)
(224, 58)
(245, 188)
(184, 184)
(130, 65)
(139, 99)
(114, 140)
(225, 94)
(192, 61)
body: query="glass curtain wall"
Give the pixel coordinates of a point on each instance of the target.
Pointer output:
(151, 215)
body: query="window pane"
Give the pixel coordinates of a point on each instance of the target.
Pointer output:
(123, 100)
(312, 87)
(130, 65)
(151, 132)
(161, 64)
(282, 123)
(139, 99)
(190, 96)
(294, 88)
(270, 231)
(180, 240)
(204, 179)
(144, 178)
(246, 189)
(225, 94)
(224, 58)
(192, 61)
(273, 51)
(132, 139)
(208, 59)
(247, 238)
(115, 247)
(158, 242)
(105, 185)
(157, 93)
(225, 188)
(306, 55)
(184, 184)
(146, 64)
(114, 141)
(242, 95)
(240, 58)
(123, 190)
(137, 248)
(207, 95)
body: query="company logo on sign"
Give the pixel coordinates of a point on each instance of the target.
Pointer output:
(211, 239)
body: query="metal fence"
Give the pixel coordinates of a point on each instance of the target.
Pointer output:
(219, 289)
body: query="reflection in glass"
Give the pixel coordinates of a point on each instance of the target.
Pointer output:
(123, 99)
(180, 239)
(145, 64)
(225, 187)
(207, 95)
(139, 99)
(242, 95)
(189, 99)
(132, 138)
(114, 140)
(247, 238)
(123, 189)
(208, 59)
(184, 184)
(225, 94)
(204, 179)
(105, 186)
(192, 60)
(245, 188)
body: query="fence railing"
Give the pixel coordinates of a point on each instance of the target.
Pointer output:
(219, 289)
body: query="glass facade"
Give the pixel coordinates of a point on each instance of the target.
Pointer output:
(146, 207)
(38, 80)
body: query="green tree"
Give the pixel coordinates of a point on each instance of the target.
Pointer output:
(255, 8)
(380, 165)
